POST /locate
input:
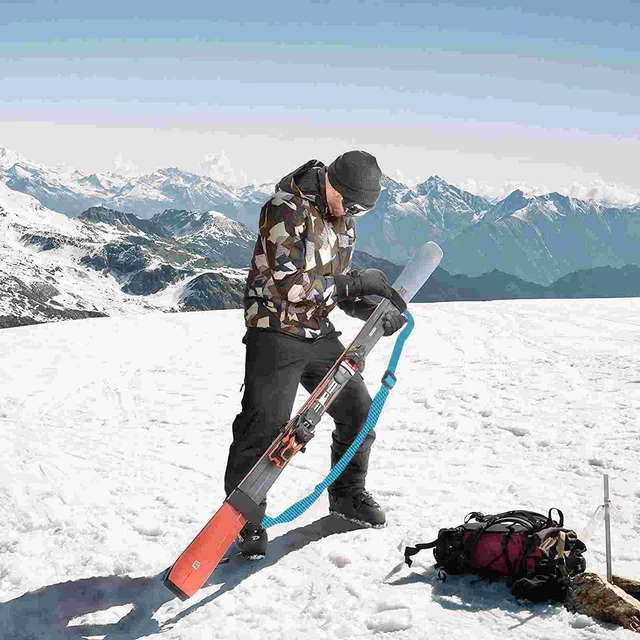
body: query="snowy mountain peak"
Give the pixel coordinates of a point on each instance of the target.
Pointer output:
(123, 221)
(92, 180)
(553, 202)
(25, 211)
(259, 191)
(8, 158)
(436, 180)
(181, 222)
(434, 184)
(549, 205)
(392, 185)
(444, 196)
(515, 200)
(181, 178)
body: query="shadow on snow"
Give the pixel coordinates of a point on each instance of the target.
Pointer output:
(47, 612)
(471, 594)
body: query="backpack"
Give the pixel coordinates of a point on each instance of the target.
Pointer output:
(534, 553)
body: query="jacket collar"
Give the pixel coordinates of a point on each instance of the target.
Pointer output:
(308, 182)
(313, 188)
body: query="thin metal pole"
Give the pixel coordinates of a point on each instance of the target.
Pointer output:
(607, 527)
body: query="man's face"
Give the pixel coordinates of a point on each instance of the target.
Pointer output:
(334, 199)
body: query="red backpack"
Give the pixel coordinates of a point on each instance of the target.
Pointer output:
(534, 553)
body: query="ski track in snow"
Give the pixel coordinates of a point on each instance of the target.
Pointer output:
(115, 436)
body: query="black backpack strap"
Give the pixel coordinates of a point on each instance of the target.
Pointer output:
(475, 515)
(411, 551)
(560, 522)
(530, 520)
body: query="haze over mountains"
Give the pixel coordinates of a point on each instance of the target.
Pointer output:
(544, 238)
(174, 240)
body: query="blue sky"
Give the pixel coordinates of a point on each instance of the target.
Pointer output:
(546, 93)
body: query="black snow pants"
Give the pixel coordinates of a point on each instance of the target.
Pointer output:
(274, 366)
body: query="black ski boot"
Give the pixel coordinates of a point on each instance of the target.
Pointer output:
(357, 505)
(252, 542)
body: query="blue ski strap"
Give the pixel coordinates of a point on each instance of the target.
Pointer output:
(388, 382)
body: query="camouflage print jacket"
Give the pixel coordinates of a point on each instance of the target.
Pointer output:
(300, 248)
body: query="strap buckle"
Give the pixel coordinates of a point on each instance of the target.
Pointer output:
(389, 379)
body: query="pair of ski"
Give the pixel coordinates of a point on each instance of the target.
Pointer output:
(194, 566)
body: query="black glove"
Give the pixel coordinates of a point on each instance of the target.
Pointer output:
(392, 321)
(360, 309)
(370, 282)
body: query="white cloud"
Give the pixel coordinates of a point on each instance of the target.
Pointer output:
(125, 168)
(402, 178)
(608, 193)
(218, 167)
(605, 192)
(500, 191)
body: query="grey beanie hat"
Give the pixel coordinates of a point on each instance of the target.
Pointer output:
(356, 175)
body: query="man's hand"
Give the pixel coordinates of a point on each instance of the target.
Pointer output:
(370, 282)
(393, 320)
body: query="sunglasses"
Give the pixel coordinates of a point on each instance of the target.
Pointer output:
(354, 208)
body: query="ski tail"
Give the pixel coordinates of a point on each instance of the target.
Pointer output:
(192, 569)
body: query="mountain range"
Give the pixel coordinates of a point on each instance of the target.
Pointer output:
(543, 238)
(106, 262)
(71, 192)
(538, 239)
(600, 282)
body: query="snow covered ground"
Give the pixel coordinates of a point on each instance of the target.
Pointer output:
(115, 434)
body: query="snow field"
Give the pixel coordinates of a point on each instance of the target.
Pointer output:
(116, 432)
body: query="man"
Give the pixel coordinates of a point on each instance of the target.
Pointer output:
(299, 273)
